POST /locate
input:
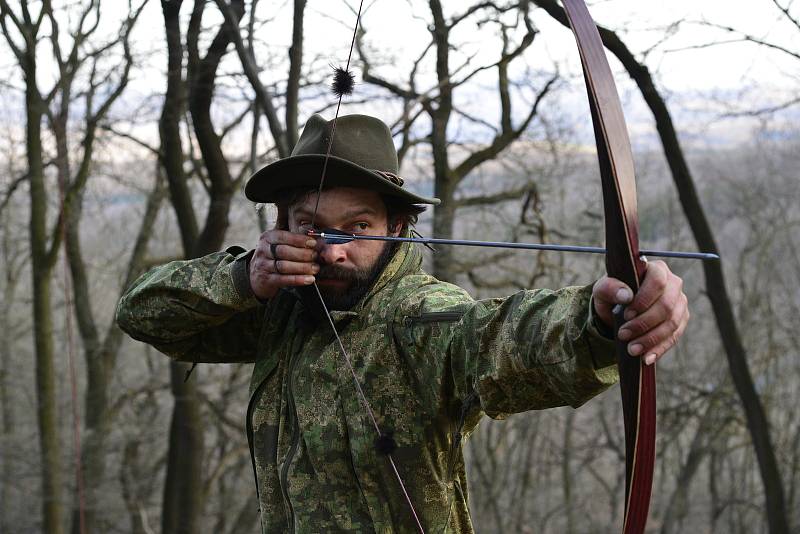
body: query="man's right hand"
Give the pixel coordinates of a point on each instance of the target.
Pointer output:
(282, 259)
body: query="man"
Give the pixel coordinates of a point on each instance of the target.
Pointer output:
(429, 360)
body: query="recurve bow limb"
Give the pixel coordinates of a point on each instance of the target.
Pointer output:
(637, 380)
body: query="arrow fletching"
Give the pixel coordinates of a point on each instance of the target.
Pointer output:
(332, 236)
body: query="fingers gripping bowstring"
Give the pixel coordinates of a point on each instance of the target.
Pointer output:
(342, 86)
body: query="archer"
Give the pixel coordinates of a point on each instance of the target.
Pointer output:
(348, 445)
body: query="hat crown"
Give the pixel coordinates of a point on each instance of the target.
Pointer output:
(361, 139)
(362, 155)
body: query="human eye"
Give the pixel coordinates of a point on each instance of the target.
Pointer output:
(304, 226)
(360, 227)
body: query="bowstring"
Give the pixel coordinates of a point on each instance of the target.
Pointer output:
(346, 356)
(336, 116)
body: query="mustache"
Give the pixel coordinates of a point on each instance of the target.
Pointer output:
(358, 281)
(342, 273)
(357, 276)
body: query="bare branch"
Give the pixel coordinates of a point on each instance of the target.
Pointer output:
(235, 122)
(785, 11)
(495, 198)
(505, 138)
(9, 192)
(109, 128)
(6, 12)
(251, 71)
(750, 38)
(762, 111)
(477, 7)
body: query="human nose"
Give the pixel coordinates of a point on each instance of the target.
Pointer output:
(332, 254)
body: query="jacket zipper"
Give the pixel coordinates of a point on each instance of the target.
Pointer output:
(251, 438)
(294, 441)
(456, 443)
(432, 317)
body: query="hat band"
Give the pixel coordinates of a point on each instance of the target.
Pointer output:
(396, 180)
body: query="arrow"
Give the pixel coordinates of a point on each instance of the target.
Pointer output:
(337, 237)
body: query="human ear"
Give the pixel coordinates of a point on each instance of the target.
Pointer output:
(394, 227)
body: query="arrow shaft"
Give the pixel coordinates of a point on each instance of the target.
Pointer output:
(345, 238)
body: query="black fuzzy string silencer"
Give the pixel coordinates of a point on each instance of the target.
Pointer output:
(343, 82)
(385, 443)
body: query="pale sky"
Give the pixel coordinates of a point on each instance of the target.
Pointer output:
(395, 29)
(390, 25)
(734, 73)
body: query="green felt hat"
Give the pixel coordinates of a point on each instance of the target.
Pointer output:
(362, 155)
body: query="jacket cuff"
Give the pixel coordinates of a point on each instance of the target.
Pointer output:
(240, 273)
(600, 339)
(599, 327)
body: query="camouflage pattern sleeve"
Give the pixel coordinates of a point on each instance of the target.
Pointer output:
(533, 350)
(200, 310)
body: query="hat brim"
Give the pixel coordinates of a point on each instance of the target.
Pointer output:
(306, 171)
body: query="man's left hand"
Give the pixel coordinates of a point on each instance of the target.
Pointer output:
(655, 318)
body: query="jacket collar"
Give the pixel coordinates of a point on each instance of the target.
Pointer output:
(406, 260)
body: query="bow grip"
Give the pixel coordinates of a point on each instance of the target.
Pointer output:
(618, 312)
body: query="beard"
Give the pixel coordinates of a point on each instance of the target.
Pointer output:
(359, 282)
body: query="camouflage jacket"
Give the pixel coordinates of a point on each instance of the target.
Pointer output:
(430, 359)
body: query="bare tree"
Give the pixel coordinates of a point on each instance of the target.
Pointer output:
(758, 423)
(13, 258)
(82, 75)
(22, 33)
(183, 492)
(284, 134)
(437, 104)
(788, 15)
(100, 350)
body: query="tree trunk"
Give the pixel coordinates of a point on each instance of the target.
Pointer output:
(169, 128)
(443, 223)
(295, 66)
(100, 357)
(757, 422)
(11, 258)
(128, 478)
(285, 137)
(7, 415)
(202, 75)
(439, 109)
(183, 498)
(566, 471)
(444, 215)
(41, 270)
(710, 424)
(183, 487)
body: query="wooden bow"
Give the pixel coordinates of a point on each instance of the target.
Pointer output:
(637, 380)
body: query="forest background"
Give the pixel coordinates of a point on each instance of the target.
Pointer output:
(128, 129)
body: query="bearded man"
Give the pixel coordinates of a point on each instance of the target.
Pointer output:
(429, 360)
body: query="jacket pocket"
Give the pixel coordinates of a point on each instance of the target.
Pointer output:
(432, 317)
(422, 342)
